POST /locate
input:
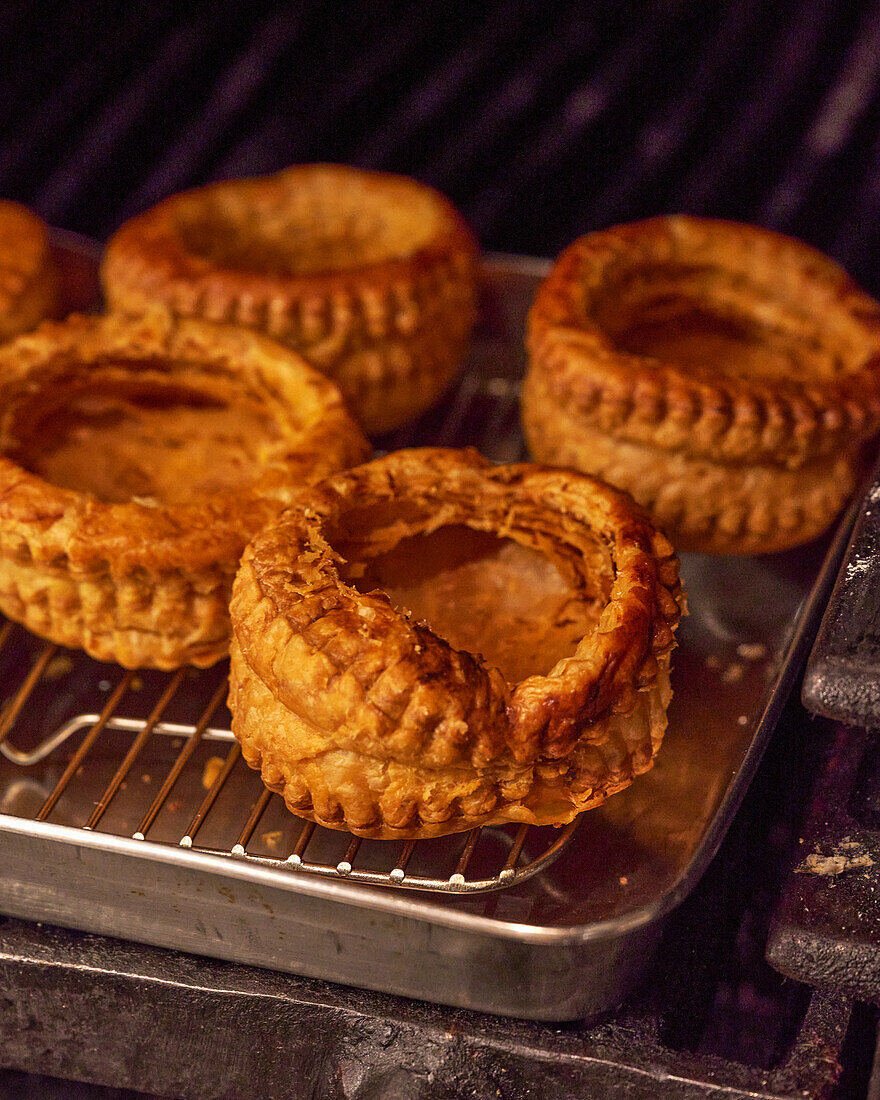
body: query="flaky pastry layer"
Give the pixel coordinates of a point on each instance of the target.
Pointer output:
(145, 580)
(713, 507)
(370, 721)
(370, 276)
(386, 799)
(28, 279)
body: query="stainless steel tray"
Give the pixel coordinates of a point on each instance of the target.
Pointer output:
(566, 940)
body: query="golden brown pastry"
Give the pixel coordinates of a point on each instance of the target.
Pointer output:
(28, 280)
(428, 643)
(370, 276)
(136, 459)
(725, 375)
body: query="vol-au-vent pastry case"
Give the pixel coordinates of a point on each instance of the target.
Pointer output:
(429, 643)
(29, 279)
(371, 276)
(726, 375)
(137, 456)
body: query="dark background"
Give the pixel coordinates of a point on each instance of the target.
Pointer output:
(542, 121)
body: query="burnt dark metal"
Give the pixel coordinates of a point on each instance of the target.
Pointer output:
(827, 927)
(842, 679)
(90, 1008)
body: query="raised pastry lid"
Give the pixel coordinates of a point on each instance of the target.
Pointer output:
(716, 338)
(133, 389)
(329, 638)
(28, 281)
(371, 276)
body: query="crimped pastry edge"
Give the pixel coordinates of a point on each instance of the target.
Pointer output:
(385, 688)
(644, 400)
(383, 800)
(142, 619)
(28, 279)
(704, 506)
(391, 333)
(147, 585)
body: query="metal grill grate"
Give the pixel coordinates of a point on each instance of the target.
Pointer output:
(93, 771)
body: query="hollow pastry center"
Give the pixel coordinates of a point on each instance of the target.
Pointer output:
(305, 229)
(700, 322)
(168, 444)
(483, 594)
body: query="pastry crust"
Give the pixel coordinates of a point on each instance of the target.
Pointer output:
(369, 720)
(724, 374)
(370, 276)
(208, 429)
(28, 280)
(711, 507)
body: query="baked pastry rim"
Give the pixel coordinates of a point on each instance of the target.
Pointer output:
(28, 279)
(719, 508)
(491, 725)
(391, 331)
(643, 399)
(97, 536)
(150, 244)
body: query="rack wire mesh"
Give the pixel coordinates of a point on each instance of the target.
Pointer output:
(98, 770)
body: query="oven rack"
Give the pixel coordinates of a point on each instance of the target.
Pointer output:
(481, 860)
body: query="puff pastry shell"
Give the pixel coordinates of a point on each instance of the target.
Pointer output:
(138, 579)
(724, 374)
(367, 719)
(28, 280)
(370, 276)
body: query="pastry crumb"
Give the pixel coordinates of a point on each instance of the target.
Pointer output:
(211, 770)
(57, 667)
(849, 855)
(272, 839)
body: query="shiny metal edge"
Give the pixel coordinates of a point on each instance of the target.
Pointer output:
(292, 880)
(535, 266)
(97, 888)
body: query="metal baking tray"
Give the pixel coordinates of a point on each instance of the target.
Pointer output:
(567, 939)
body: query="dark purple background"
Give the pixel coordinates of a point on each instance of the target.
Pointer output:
(540, 120)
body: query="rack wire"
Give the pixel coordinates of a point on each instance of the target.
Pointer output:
(83, 775)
